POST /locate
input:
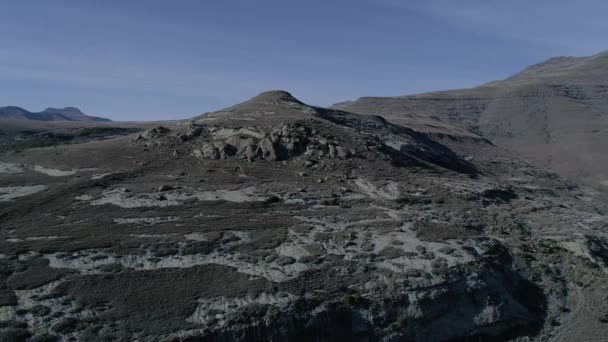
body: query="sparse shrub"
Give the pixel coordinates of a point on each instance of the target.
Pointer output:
(354, 299)
(66, 326)
(44, 338)
(40, 310)
(111, 268)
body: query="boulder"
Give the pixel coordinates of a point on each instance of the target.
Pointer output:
(245, 146)
(225, 150)
(151, 134)
(155, 132)
(343, 153)
(195, 130)
(332, 151)
(267, 150)
(198, 153)
(165, 187)
(210, 152)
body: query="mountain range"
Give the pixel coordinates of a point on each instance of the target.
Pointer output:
(49, 114)
(554, 114)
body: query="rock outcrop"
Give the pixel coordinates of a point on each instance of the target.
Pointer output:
(280, 143)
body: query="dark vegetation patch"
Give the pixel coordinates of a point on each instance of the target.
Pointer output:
(498, 196)
(37, 274)
(44, 338)
(8, 266)
(598, 248)
(14, 335)
(389, 253)
(67, 326)
(39, 310)
(111, 268)
(156, 302)
(7, 296)
(411, 200)
(85, 231)
(25, 139)
(438, 232)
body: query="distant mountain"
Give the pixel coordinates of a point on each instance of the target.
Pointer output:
(49, 114)
(554, 113)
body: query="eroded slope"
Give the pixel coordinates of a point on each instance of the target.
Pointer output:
(553, 114)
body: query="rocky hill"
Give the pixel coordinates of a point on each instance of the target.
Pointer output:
(49, 114)
(273, 220)
(554, 113)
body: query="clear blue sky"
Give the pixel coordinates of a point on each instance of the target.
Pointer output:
(152, 59)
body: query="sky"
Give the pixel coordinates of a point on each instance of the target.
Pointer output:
(164, 60)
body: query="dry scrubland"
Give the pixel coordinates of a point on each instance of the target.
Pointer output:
(275, 220)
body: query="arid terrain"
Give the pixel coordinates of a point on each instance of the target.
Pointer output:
(274, 220)
(554, 114)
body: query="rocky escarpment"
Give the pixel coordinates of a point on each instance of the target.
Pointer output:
(303, 133)
(283, 142)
